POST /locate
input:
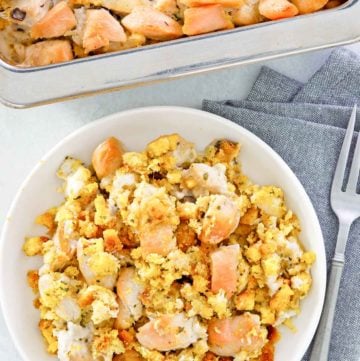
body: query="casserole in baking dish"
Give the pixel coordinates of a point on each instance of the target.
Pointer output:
(43, 32)
(34, 85)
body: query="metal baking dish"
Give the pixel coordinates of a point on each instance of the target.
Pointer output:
(25, 87)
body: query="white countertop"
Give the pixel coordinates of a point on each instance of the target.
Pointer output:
(28, 134)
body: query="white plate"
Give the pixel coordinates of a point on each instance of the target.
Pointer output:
(135, 128)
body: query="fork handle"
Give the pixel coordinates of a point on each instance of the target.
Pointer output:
(322, 338)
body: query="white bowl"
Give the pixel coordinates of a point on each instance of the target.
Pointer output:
(136, 128)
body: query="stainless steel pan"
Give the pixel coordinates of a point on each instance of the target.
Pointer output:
(25, 87)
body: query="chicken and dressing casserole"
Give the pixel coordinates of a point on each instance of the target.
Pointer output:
(43, 32)
(166, 254)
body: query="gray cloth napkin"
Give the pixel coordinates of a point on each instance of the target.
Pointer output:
(305, 124)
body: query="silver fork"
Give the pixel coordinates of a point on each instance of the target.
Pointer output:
(346, 205)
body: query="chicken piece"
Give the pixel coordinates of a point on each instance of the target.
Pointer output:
(26, 13)
(77, 178)
(128, 290)
(122, 7)
(107, 157)
(170, 332)
(309, 6)
(174, 146)
(124, 320)
(184, 152)
(203, 179)
(48, 52)
(205, 19)
(247, 14)
(55, 23)
(57, 293)
(132, 41)
(153, 217)
(224, 269)
(78, 33)
(12, 43)
(65, 238)
(102, 302)
(158, 239)
(220, 220)
(68, 309)
(97, 267)
(168, 7)
(152, 23)
(224, 3)
(100, 29)
(120, 188)
(73, 343)
(230, 336)
(277, 9)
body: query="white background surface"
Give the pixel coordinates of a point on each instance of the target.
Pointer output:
(28, 134)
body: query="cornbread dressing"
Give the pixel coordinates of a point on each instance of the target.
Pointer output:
(166, 254)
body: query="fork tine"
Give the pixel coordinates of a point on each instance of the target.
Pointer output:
(355, 168)
(341, 164)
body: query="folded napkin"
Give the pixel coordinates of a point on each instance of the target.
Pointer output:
(305, 124)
